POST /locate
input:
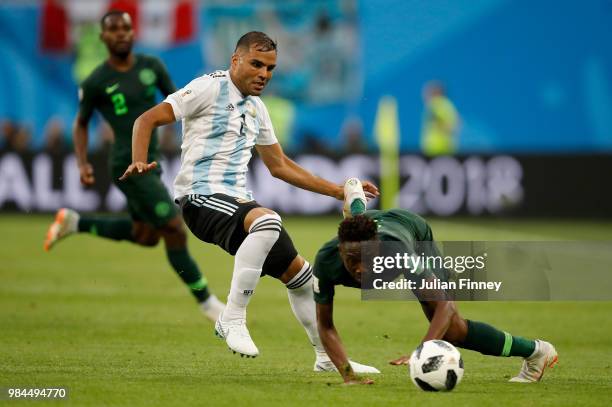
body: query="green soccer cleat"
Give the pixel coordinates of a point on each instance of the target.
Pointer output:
(533, 367)
(66, 223)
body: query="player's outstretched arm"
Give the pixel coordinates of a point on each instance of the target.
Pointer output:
(440, 315)
(333, 345)
(79, 137)
(282, 167)
(141, 137)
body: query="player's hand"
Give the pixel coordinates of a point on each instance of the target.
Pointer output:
(371, 190)
(402, 360)
(87, 174)
(138, 168)
(357, 380)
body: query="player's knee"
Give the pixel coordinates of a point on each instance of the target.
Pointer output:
(175, 237)
(173, 228)
(148, 238)
(269, 222)
(149, 241)
(258, 215)
(295, 267)
(457, 330)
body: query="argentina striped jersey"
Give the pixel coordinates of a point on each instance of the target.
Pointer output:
(220, 127)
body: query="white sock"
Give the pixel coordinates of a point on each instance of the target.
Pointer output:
(211, 302)
(299, 290)
(249, 260)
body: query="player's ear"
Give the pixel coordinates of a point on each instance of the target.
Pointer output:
(235, 59)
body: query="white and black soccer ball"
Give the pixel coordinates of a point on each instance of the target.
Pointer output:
(436, 366)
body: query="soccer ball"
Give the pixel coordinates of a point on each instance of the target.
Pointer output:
(436, 366)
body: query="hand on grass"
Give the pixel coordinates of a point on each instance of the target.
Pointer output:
(402, 360)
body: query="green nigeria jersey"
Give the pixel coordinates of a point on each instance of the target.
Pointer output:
(392, 225)
(123, 96)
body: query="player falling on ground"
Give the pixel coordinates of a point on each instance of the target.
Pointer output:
(121, 89)
(223, 119)
(339, 262)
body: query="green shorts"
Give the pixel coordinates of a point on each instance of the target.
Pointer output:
(148, 200)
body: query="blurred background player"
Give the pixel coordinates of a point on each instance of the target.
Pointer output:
(440, 121)
(223, 119)
(121, 89)
(339, 262)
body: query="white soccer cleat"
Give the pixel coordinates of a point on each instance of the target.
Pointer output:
(533, 367)
(66, 223)
(237, 337)
(353, 190)
(212, 307)
(326, 365)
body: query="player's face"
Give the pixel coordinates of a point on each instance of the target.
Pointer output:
(350, 253)
(118, 35)
(252, 69)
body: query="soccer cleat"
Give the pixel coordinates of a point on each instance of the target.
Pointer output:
(237, 337)
(66, 223)
(212, 307)
(326, 365)
(533, 367)
(353, 191)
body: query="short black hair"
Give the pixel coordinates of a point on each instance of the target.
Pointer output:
(261, 40)
(113, 12)
(356, 229)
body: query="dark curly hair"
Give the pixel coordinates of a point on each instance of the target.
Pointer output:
(356, 229)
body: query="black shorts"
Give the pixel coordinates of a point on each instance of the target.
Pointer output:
(219, 219)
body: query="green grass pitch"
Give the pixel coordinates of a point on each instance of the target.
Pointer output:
(112, 322)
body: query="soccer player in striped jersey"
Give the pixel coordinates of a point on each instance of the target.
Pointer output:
(223, 119)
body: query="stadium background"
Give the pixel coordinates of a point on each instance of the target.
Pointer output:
(532, 82)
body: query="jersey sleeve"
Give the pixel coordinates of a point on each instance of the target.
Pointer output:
(87, 96)
(193, 99)
(266, 134)
(164, 82)
(323, 288)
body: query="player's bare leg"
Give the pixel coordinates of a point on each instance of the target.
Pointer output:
(263, 227)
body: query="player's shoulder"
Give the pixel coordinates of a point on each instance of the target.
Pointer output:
(209, 81)
(149, 61)
(96, 77)
(328, 253)
(405, 214)
(147, 58)
(218, 75)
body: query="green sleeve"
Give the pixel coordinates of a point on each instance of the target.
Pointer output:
(322, 287)
(164, 83)
(323, 291)
(87, 101)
